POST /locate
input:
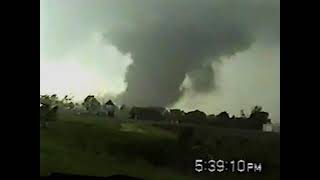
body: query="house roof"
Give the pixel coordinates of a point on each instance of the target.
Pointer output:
(109, 103)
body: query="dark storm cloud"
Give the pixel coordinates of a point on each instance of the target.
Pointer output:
(202, 79)
(169, 40)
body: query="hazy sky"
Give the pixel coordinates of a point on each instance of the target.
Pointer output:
(226, 53)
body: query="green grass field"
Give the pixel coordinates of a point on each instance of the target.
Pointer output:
(96, 146)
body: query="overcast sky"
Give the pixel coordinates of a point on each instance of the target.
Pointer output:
(225, 54)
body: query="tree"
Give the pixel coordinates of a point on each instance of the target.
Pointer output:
(47, 114)
(175, 115)
(54, 98)
(49, 100)
(242, 114)
(45, 99)
(259, 117)
(211, 117)
(66, 102)
(91, 104)
(195, 117)
(67, 99)
(223, 116)
(69, 105)
(256, 109)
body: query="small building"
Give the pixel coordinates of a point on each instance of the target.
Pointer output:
(148, 113)
(110, 108)
(268, 127)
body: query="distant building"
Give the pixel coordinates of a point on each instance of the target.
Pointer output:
(268, 127)
(147, 113)
(110, 108)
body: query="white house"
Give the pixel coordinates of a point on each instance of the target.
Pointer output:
(110, 108)
(267, 127)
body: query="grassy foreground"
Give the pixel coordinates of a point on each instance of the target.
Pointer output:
(95, 146)
(88, 146)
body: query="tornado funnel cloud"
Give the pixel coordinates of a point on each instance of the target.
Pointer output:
(170, 41)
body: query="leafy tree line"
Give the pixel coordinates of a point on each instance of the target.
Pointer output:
(255, 120)
(53, 100)
(91, 105)
(48, 109)
(176, 116)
